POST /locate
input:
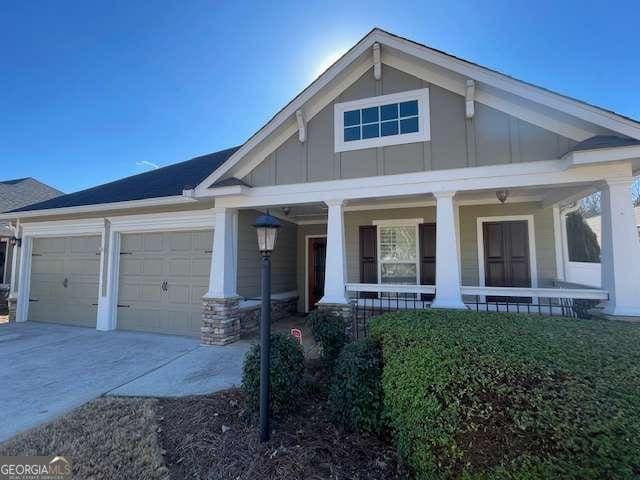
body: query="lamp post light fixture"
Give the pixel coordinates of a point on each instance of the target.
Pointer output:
(267, 229)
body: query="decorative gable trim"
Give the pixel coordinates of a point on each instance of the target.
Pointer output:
(360, 58)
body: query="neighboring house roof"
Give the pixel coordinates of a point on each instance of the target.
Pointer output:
(19, 192)
(604, 141)
(163, 182)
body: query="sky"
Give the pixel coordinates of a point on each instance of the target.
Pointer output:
(92, 91)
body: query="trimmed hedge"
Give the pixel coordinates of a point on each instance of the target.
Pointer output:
(329, 332)
(355, 395)
(286, 375)
(482, 396)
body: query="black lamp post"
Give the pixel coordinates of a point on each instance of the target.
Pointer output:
(267, 230)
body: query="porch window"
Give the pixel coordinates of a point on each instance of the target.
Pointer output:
(398, 258)
(384, 120)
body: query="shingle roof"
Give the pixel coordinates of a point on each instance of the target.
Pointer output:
(163, 182)
(19, 192)
(604, 141)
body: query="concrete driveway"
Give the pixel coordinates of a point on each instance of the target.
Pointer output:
(47, 370)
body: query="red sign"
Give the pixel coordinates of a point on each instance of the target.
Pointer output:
(297, 334)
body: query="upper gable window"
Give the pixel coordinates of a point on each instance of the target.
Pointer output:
(384, 120)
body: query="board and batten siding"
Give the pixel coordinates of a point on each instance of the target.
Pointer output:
(490, 138)
(283, 259)
(543, 224)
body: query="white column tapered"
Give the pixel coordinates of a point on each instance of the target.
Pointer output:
(224, 258)
(620, 255)
(335, 266)
(447, 258)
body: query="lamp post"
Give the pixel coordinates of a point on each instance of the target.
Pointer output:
(267, 229)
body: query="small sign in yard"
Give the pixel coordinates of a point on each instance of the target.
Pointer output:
(297, 334)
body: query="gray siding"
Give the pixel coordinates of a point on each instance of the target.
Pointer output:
(490, 138)
(283, 260)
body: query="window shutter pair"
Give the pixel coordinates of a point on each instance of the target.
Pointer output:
(369, 256)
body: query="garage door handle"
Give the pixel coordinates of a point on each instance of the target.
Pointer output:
(36, 300)
(65, 283)
(123, 306)
(165, 286)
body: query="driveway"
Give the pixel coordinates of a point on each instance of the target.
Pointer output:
(47, 370)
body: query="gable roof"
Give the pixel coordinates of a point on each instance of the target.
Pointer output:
(562, 103)
(19, 192)
(163, 182)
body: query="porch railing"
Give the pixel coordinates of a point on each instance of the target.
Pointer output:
(370, 300)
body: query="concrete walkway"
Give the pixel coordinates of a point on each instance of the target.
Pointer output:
(47, 370)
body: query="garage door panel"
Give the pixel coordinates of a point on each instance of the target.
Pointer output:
(74, 259)
(179, 267)
(88, 245)
(47, 266)
(153, 242)
(178, 258)
(180, 242)
(202, 241)
(131, 243)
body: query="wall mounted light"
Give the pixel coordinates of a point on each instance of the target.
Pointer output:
(502, 195)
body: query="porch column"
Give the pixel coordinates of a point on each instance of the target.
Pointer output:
(220, 318)
(620, 250)
(447, 258)
(24, 279)
(12, 300)
(335, 266)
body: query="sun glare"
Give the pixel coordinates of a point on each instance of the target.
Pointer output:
(328, 61)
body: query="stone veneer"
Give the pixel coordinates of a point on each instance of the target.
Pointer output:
(344, 310)
(250, 316)
(12, 305)
(224, 321)
(220, 321)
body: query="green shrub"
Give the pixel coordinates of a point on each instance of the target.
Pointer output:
(355, 394)
(285, 374)
(329, 332)
(480, 395)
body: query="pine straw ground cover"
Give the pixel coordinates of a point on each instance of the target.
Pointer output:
(207, 437)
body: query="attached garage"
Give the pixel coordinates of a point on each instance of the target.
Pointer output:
(162, 279)
(64, 280)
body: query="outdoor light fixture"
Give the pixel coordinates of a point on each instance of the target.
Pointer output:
(286, 210)
(14, 241)
(267, 229)
(502, 195)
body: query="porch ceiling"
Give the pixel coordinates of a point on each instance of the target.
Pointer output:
(546, 196)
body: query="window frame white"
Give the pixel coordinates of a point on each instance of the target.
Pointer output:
(424, 125)
(409, 222)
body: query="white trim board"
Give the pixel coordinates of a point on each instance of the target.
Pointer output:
(306, 268)
(533, 259)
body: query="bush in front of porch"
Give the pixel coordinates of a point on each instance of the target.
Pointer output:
(482, 395)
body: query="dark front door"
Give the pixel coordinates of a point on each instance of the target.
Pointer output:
(3, 260)
(315, 269)
(427, 256)
(506, 256)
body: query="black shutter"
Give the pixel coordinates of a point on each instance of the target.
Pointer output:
(368, 257)
(427, 256)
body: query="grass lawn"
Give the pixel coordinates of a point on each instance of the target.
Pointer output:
(207, 437)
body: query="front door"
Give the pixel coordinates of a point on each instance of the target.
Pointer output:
(3, 260)
(315, 270)
(506, 256)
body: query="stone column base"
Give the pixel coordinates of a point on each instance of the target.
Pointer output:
(342, 310)
(12, 304)
(220, 321)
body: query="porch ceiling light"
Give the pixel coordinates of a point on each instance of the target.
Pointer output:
(267, 229)
(14, 241)
(502, 195)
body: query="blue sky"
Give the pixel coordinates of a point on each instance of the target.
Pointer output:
(91, 91)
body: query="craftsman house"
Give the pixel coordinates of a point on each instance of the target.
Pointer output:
(401, 175)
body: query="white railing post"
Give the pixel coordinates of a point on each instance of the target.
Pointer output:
(335, 266)
(447, 259)
(620, 250)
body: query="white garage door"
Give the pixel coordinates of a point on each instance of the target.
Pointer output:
(163, 277)
(64, 280)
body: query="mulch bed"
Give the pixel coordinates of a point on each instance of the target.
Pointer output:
(212, 437)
